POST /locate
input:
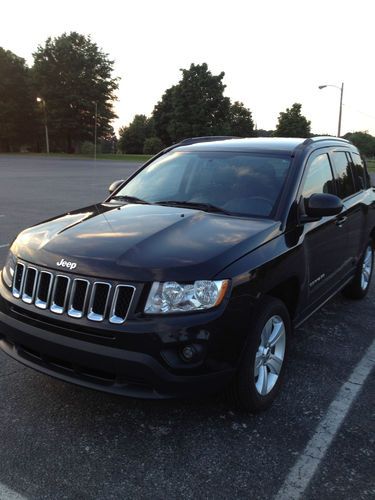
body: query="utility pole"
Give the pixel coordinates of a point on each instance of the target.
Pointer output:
(41, 100)
(341, 89)
(95, 129)
(340, 112)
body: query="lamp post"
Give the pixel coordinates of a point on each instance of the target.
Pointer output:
(95, 128)
(341, 89)
(41, 100)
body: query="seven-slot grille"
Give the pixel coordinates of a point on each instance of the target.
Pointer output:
(76, 297)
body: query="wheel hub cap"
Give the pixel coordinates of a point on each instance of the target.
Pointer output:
(366, 268)
(270, 355)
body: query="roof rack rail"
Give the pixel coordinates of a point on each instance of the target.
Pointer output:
(311, 140)
(188, 141)
(208, 138)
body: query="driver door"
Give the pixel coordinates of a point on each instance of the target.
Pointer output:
(325, 240)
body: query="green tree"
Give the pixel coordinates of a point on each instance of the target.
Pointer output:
(18, 120)
(364, 141)
(132, 137)
(152, 146)
(240, 120)
(74, 76)
(194, 107)
(292, 123)
(260, 132)
(162, 116)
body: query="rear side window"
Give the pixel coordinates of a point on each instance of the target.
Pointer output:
(344, 177)
(319, 177)
(359, 172)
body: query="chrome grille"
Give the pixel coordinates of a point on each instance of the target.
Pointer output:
(18, 280)
(119, 310)
(30, 282)
(77, 297)
(44, 288)
(99, 301)
(59, 294)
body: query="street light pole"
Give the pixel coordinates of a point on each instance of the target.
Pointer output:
(95, 129)
(340, 112)
(341, 89)
(40, 99)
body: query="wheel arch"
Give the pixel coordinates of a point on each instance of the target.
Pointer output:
(288, 291)
(372, 236)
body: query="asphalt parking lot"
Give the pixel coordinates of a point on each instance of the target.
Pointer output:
(59, 441)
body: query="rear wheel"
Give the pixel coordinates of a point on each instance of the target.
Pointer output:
(261, 371)
(358, 287)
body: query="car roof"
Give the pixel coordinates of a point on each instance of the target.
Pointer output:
(257, 144)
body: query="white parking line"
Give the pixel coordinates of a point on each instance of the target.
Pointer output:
(4, 246)
(8, 494)
(304, 469)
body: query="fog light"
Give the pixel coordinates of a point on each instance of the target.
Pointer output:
(188, 353)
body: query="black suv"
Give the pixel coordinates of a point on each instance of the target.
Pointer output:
(190, 277)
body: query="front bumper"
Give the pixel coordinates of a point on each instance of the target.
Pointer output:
(120, 372)
(108, 365)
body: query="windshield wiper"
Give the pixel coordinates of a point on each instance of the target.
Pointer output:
(129, 199)
(207, 207)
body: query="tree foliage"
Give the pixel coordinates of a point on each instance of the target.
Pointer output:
(133, 137)
(260, 132)
(292, 123)
(364, 141)
(196, 106)
(18, 120)
(152, 146)
(73, 76)
(240, 121)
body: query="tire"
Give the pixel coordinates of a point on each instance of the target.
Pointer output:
(357, 289)
(255, 388)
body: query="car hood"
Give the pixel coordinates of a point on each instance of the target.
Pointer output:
(143, 242)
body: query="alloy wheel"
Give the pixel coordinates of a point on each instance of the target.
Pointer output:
(270, 355)
(366, 268)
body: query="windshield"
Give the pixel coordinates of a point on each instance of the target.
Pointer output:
(236, 183)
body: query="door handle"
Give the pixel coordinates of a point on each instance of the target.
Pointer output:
(341, 220)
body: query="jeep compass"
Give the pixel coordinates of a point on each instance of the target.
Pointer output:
(190, 277)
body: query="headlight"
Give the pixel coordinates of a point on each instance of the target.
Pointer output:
(8, 270)
(172, 297)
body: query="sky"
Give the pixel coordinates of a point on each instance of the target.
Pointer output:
(273, 53)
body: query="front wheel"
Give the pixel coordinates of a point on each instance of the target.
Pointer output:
(359, 286)
(259, 377)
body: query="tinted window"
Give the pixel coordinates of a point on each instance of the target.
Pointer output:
(345, 182)
(239, 183)
(359, 172)
(319, 177)
(163, 177)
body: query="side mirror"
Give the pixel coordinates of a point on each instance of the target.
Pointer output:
(115, 185)
(322, 205)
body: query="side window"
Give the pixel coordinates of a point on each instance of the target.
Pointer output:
(344, 177)
(319, 177)
(359, 172)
